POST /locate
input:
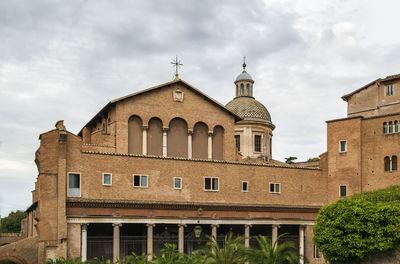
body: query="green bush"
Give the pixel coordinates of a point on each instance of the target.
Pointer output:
(351, 228)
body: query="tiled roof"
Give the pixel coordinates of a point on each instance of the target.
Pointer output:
(249, 108)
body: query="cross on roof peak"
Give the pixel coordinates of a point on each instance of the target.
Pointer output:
(176, 63)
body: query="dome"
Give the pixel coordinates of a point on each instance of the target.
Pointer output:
(249, 109)
(244, 76)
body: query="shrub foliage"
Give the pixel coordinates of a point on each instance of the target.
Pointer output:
(351, 228)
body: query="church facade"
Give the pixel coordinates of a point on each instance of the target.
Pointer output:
(171, 164)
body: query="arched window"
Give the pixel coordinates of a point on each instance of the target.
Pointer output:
(396, 127)
(177, 139)
(135, 133)
(394, 163)
(155, 137)
(248, 89)
(390, 127)
(241, 89)
(200, 141)
(385, 128)
(218, 143)
(387, 163)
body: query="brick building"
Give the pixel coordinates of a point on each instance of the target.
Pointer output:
(170, 164)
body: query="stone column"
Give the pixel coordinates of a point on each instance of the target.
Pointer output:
(164, 141)
(214, 231)
(210, 133)
(190, 133)
(84, 241)
(150, 240)
(144, 143)
(301, 243)
(247, 235)
(116, 241)
(181, 238)
(275, 234)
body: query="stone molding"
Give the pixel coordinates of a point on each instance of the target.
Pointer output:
(196, 160)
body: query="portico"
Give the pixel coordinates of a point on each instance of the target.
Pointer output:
(113, 238)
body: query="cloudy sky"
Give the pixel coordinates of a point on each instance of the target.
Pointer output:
(67, 59)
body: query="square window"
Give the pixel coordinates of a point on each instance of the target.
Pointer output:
(140, 180)
(257, 143)
(211, 184)
(245, 186)
(177, 183)
(107, 179)
(343, 190)
(275, 188)
(74, 184)
(343, 146)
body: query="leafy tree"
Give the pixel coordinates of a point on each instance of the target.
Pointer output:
(290, 160)
(272, 253)
(313, 159)
(231, 252)
(352, 228)
(12, 223)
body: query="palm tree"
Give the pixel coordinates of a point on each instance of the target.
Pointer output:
(231, 252)
(272, 253)
(134, 259)
(170, 255)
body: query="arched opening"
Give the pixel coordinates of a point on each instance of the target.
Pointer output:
(396, 126)
(177, 140)
(200, 141)
(390, 127)
(135, 134)
(387, 163)
(385, 128)
(154, 137)
(394, 163)
(218, 143)
(248, 89)
(241, 89)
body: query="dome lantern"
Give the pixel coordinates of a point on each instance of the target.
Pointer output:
(244, 82)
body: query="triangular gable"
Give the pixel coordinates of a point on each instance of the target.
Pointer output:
(175, 81)
(388, 78)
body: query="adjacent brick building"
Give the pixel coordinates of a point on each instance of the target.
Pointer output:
(170, 164)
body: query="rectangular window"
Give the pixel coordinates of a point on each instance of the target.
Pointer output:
(257, 143)
(275, 188)
(74, 184)
(177, 183)
(237, 140)
(389, 90)
(107, 179)
(140, 181)
(343, 146)
(211, 184)
(343, 190)
(245, 186)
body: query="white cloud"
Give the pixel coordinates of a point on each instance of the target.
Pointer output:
(65, 61)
